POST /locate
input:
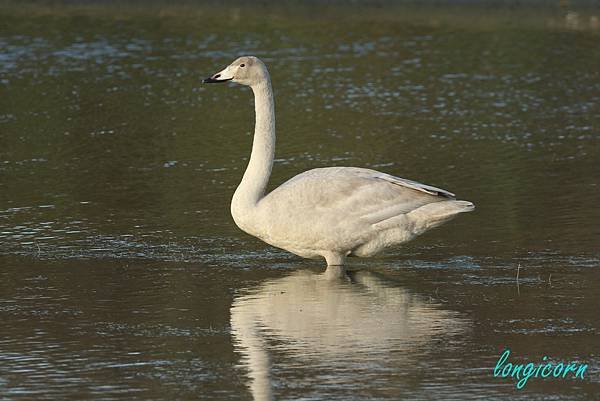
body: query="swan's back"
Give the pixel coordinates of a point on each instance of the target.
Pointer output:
(349, 191)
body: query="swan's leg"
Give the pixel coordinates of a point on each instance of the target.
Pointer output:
(334, 259)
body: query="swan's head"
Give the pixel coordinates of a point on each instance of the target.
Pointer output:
(247, 70)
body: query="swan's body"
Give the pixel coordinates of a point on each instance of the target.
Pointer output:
(326, 212)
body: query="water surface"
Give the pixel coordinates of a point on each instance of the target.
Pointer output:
(124, 277)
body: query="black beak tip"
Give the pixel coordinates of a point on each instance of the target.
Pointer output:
(211, 80)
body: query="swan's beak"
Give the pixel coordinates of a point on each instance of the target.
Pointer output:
(222, 76)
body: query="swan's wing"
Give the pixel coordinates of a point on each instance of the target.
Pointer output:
(367, 194)
(351, 176)
(428, 189)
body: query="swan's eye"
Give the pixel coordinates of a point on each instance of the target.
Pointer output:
(242, 65)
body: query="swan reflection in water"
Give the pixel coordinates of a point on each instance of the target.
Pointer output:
(343, 331)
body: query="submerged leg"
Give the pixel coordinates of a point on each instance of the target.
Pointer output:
(335, 272)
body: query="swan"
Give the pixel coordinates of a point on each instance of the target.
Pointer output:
(331, 212)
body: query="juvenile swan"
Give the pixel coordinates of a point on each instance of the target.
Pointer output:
(331, 212)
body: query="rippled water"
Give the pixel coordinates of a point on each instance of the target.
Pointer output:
(124, 277)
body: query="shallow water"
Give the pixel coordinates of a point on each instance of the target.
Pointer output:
(124, 277)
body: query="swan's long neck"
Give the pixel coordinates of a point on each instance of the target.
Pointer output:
(255, 180)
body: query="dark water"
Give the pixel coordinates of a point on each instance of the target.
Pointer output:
(124, 277)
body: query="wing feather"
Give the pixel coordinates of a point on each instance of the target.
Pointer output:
(428, 189)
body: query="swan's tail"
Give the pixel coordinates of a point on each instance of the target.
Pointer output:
(435, 214)
(405, 227)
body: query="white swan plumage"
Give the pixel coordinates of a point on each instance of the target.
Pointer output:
(331, 212)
